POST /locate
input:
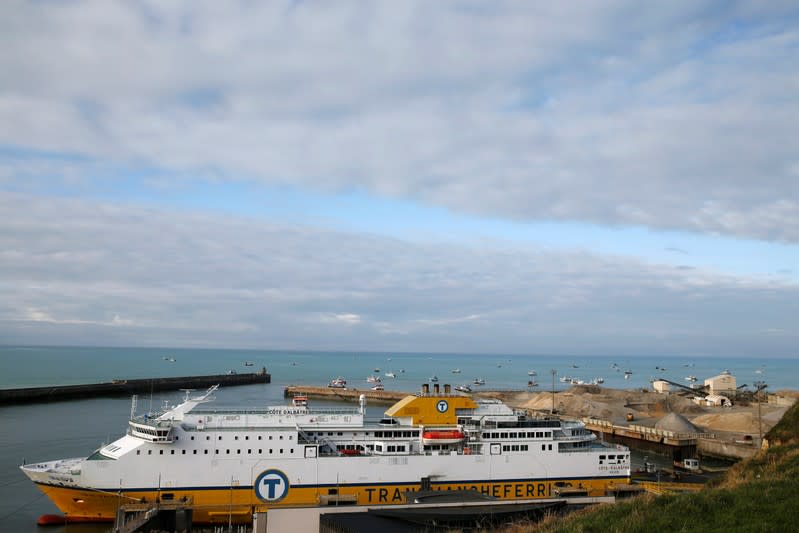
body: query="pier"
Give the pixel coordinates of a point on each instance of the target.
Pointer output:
(349, 394)
(126, 387)
(670, 443)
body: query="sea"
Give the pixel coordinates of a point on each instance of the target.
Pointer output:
(40, 432)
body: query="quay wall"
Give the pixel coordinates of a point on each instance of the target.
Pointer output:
(126, 387)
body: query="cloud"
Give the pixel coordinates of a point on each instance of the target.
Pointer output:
(674, 116)
(78, 271)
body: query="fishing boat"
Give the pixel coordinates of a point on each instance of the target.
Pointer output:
(227, 463)
(373, 379)
(434, 378)
(532, 373)
(378, 386)
(390, 374)
(463, 388)
(456, 370)
(479, 381)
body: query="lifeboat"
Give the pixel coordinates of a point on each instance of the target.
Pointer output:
(443, 436)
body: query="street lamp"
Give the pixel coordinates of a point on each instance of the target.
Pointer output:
(554, 373)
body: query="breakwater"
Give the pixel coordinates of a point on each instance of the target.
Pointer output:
(348, 394)
(126, 387)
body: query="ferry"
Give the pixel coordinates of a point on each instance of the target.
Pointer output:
(227, 464)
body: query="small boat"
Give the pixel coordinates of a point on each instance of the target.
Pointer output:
(378, 386)
(463, 388)
(377, 370)
(231, 372)
(565, 379)
(402, 370)
(479, 381)
(170, 359)
(338, 383)
(373, 379)
(390, 375)
(532, 373)
(499, 365)
(690, 378)
(627, 374)
(248, 363)
(443, 436)
(532, 383)
(456, 370)
(598, 381)
(434, 379)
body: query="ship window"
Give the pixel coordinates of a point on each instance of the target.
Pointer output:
(550, 447)
(512, 435)
(379, 447)
(246, 437)
(149, 452)
(227, 451)
(339, 433)
(539, 434)
(524, 447)
(205, 452)
(138, 452)
(192, 437)
(548, 434)
(378, 434)
(515, 448)
(391, 448)
(270, 450)
(401, 448)
(260, 450)
(329, 433)
(611, 456)
(503, 435)
(207, 437)
(195, 452)
(506, 448)
(160, 452)
(184, 452)
(292, 436)
(291, 450)
(602, 457)
(543, 447)
(259, 437)
(236, 437)
(167, 496)
(270, 437)
(176, 437)
(281, 437)
(216, 451)
(238, 451)
(172, 452)
(220, 437)
(281, 450)
(249, 450)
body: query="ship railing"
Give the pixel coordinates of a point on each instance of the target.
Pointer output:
(271, 411)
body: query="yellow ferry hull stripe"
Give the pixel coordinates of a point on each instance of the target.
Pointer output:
(211, 504)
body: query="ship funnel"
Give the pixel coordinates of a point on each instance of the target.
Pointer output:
(447, 388)
(425, 388)
(362, 404)
(435, 388)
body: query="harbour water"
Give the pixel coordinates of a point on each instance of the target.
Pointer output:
(70, 429)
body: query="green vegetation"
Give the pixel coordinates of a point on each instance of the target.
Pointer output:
(758, 495)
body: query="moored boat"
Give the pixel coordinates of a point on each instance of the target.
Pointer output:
(227, 463)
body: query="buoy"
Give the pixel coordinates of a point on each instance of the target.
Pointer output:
(51, 520)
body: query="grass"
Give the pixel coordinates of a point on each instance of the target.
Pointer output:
(760, 494)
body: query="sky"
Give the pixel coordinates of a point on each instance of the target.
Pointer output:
(576, 178)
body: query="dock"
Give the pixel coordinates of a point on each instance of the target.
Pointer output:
(350, 394)
(127, 387)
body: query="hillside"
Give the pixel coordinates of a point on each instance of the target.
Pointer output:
(759, 494)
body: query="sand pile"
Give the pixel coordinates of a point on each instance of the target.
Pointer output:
(744, 422)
